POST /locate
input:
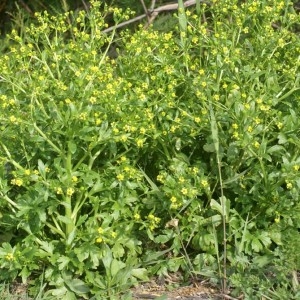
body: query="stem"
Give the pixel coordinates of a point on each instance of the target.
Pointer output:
(11, 202)
(47, 139)
(59, 231)
(68, 199)
(215, 137)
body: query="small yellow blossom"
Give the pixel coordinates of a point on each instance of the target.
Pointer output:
(296, 167)
(59, 191)
(235, 135)
(204, 183)
(289, 185)
(13, 119)
(279, 125)
(160, 178)
(120, 177)
(173, 199)
(70, 191)
(17, 181)
(184, 191)
(256, 144)
(140, 142)
(99, 240)
(10, 256)
(195, 170)
(27, 172)
(137, 216)
(74, 178)
(93, 100)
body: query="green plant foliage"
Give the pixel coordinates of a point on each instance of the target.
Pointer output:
(116, 169)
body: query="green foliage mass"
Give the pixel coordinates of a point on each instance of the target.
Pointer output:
(112, 170)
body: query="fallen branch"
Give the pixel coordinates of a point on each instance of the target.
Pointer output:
(152, 13)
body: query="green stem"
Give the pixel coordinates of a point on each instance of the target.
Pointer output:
(68, 199)
(55, 229)
(215, 138)
(47, 139)
(11, 202)
(10, 158)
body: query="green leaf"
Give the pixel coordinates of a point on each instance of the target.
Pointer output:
(265, 238)
(118, 250)
(116, 266)
(60, 292)
(256, 245)
(276, 237)
(72, 147)
(182, 16)
(275, 148)
(217, 206)
(63, 261)
(209, 148)
(140, 273)
(71, 237)
(77, 286)
(47, 246)
(42, 168)
(64, 219)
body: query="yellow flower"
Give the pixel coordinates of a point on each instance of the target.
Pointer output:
(70, 191)
(13, 119)
(197, 119)
(289, 185)
(204, 183)
(279, 125)
(256, 144)
(160, 178)
(99, 240)
(59, 191)
(120, 177)
(74, 178)
(137, 216)
(173, 199)
(17, 181)
(184, 191)
(140, 142)
(181, 179)
(10, 256)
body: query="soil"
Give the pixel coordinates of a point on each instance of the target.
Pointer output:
(170, 289)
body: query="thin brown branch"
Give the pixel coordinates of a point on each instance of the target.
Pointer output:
(26, 7)
(145, 10)
(152, 4)
(153, 12)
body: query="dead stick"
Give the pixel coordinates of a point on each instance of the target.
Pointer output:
(166, 7)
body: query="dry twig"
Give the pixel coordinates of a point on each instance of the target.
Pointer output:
(152, 13)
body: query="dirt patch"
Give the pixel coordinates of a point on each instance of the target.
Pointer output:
(171, 289)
